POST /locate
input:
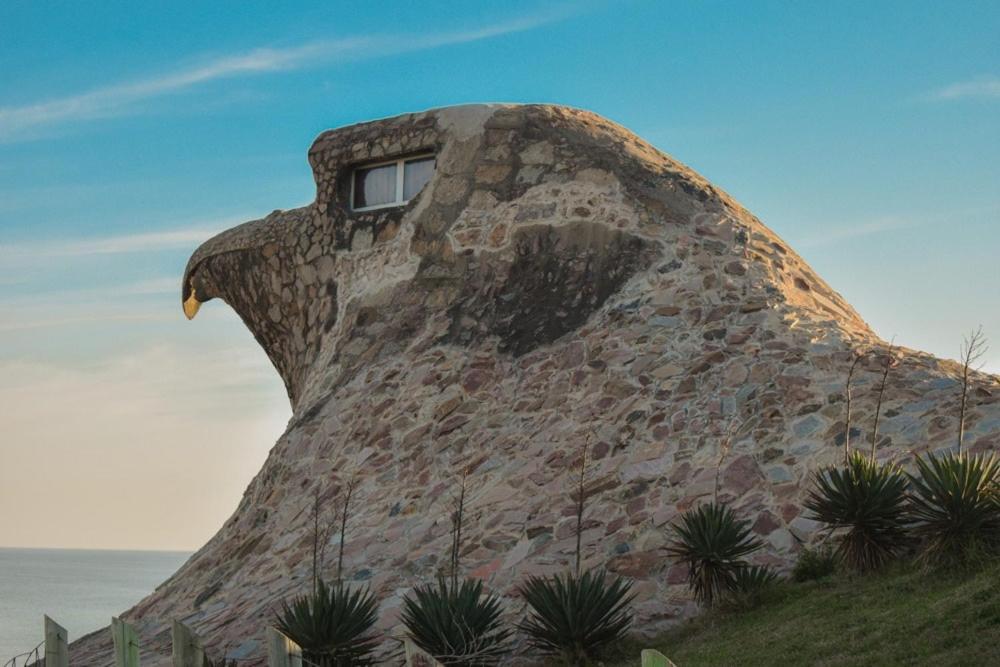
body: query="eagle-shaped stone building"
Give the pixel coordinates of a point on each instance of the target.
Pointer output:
(486, 291)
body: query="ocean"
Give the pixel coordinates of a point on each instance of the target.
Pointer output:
(81, 590)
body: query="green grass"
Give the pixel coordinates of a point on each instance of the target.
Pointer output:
(903, 617)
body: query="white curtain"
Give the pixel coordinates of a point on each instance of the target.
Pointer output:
(375, 186)
(416, 173)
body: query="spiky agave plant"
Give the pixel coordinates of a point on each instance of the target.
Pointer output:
(333, 625)
(750, 584)
(574, 617)
(868, 501)
(753, 579)
(713, 543)
(955, 502)
(456, 623)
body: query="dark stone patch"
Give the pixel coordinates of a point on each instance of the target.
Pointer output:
(559, 276)
(838, 440)
(331, 293)
(534, 531)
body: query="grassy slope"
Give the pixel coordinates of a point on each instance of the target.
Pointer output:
(899, 618)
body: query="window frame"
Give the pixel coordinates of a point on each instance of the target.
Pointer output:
(400, 175)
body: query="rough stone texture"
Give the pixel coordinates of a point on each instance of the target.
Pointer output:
(559, 281)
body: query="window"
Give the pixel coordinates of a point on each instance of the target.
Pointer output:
(390, 183)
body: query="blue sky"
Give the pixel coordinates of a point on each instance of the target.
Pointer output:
(867, 134)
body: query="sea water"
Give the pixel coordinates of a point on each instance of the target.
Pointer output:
(81, 590)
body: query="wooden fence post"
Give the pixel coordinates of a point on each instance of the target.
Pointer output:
(651, 658)
(282, 651)
(188, 649)
(126, 643)
(56, 644)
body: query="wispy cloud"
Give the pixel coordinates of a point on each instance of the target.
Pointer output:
(121, 310)
(116, 99)
(984, 87)
(847, 232)
(19, 122)
(153, 286)
(44, 287)
(61, 322)
(170, 239)
(140, 300)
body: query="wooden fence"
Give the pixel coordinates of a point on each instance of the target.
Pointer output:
(188, 650)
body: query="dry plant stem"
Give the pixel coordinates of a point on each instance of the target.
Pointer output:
(456, 530)
(315, 563)
(973, 349)
(847, 427)
(723, 453)
(343, 529)
(579, 505)
(881, 393)
(321, 536)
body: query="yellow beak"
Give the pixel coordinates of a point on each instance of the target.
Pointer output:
(191, 305)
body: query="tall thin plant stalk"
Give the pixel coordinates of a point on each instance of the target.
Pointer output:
(316, 541)
(457, 622)
(457, 517)
(581, 496)
(847, 427)
(973, 348)
(321, 533)
(724, 448)
(573, 616)
(343, 528)
(881, 392)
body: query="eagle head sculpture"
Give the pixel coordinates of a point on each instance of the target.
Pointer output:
(546, 284)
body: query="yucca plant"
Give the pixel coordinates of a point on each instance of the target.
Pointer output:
(749, 585)
(868, 501)
(333, 625)
(753, 579)
(713, 543)
(457, 623)
(574, 617)
(955, 502)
